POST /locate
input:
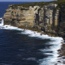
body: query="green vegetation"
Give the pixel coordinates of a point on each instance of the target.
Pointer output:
(33, 4)
(30, 4)
(61, 1)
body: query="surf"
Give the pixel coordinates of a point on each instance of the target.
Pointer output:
(56, 43)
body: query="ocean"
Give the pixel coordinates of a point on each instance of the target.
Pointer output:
(26, 47)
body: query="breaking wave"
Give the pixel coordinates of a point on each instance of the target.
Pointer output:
(52, 51)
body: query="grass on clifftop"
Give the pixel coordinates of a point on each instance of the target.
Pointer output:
(33, 4)
(59, 2)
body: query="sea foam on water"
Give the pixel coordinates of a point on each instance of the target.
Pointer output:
(55, 41)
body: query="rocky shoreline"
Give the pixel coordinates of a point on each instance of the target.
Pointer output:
(42, 32)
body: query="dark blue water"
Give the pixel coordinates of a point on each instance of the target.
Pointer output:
(19, 49)
(4, 6)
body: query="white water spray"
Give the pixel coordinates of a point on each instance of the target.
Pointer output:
(56, 44)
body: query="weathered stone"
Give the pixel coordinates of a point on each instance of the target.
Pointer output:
(45, 16)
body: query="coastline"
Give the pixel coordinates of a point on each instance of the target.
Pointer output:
(45, 19)
(42, 32)
(55, 42)
(29, 31)
(34, 30)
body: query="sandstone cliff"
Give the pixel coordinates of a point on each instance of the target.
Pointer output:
(49, 17)
(45, 17)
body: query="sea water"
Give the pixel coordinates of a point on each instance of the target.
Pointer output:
(26, 47)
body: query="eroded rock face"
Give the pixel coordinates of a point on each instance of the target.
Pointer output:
(45, 16)
(61, 26)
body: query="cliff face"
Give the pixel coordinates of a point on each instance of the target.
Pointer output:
(61, 26)
(21, 16)
(45, 16)
(33, 16)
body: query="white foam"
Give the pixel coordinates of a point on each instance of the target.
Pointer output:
(56, 44)
(36, 34)
(9, 27)
(33, 33)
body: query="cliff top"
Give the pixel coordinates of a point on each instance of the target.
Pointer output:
(33, 4)
(59, 2)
